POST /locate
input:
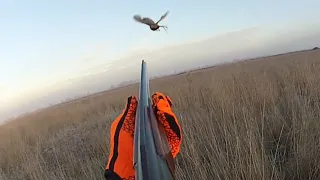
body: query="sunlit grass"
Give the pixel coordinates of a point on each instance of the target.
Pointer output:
(250, 120)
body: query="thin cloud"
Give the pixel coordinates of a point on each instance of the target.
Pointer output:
(237, 45)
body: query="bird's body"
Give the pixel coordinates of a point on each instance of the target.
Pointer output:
(153, 26)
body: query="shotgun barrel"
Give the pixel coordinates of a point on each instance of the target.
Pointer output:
(152, 156)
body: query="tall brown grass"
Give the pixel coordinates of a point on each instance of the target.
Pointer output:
(250, 120)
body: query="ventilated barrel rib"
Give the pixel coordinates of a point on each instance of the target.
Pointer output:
(152, 156)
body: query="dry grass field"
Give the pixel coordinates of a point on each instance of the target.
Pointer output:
(251, 120)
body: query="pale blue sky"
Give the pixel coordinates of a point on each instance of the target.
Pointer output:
(44, 42)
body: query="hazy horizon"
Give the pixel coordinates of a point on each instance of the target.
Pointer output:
(52, 51)
(227, 47)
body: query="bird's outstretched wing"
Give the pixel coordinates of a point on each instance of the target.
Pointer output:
(146, 21)
(163, 16)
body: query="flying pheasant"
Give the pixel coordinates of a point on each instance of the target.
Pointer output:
(153, 26)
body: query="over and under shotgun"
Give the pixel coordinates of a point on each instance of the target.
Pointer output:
(152, 156)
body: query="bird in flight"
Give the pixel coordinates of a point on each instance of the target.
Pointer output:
(153, 26)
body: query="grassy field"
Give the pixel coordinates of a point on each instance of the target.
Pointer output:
(250, 120)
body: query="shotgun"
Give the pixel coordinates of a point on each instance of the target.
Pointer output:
(152, 155)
